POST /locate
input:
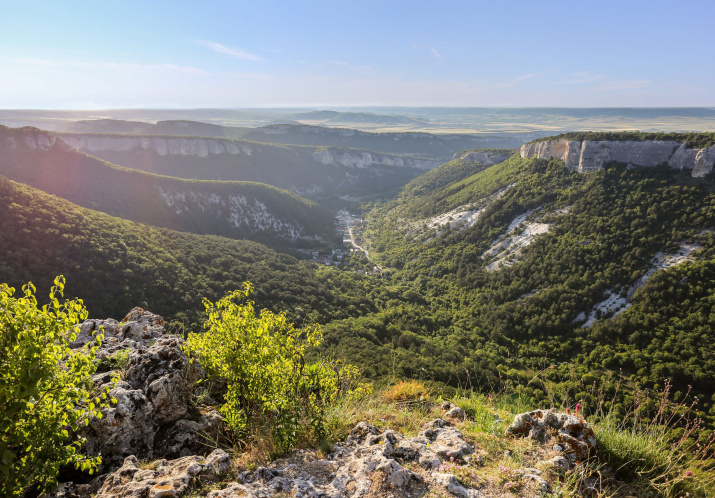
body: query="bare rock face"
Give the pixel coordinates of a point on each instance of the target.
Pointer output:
(572, 433)
(153, 417)
(590, 155)
(163, 146)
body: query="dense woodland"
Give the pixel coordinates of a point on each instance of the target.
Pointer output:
(519, 325)
(437, 312)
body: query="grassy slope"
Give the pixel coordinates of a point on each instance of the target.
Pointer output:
(136, 195)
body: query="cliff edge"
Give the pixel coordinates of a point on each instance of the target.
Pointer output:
(590, 155)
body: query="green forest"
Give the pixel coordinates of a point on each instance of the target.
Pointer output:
(439, 311)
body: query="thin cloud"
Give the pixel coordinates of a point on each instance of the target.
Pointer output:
(583, 77)
(622, 85)
(123, 66)
(348, 65)
(231, 52)
(515, 81)
(435, 53)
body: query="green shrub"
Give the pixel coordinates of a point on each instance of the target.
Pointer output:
(46, 389)
(261, 360)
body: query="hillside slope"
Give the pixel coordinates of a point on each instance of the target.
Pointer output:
(233, 209)
(527, 273)
(306, 170)
(114, 264)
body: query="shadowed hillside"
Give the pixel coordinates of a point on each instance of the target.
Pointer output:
(233, 209)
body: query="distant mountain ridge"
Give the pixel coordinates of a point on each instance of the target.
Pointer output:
(436, 148)
(306, 170)
(233, 209)
(433, 146)
(177, 127)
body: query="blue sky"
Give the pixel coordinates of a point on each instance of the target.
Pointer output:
(117, 54)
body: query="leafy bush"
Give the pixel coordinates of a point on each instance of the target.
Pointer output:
(46, 389)
(261, 360)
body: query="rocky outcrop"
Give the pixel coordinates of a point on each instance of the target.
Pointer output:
(152, 439)
(153, 417)
(204, 147)
(29, 138)
(571, 434)
(372, 462)
(585, 156)
(351, 159)
(163, 478)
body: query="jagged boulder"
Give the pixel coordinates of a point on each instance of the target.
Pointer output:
(452, 412)
(153, 416)
(572, 433)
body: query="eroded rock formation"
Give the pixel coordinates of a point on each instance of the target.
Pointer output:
(153, 416)
(587, 155)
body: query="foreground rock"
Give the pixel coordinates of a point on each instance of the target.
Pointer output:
(372, 462)
(571, 434)
(153, 417)
(165, 479)
(152, 439)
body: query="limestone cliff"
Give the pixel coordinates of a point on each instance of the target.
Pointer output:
(174, 146)
(590, 155)
(203, 147)
(356, 159)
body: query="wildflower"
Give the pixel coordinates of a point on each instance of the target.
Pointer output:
(689, 473)
(568, 411)
(578, 408)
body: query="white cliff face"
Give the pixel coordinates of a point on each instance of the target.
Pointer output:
(367, 159)
(586, 156)
(33, 141)
(460, 218)
(616, 301)
(237, 210)
(174, 146)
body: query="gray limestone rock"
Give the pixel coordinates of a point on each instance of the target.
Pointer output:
(571, 432)
(588, 155)
(165, 479)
